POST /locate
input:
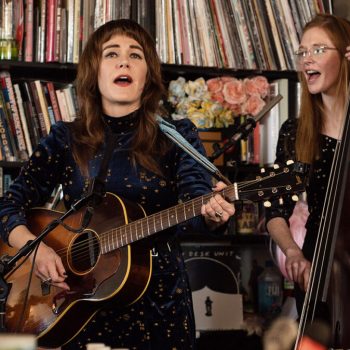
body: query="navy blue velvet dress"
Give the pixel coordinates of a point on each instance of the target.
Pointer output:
(163, 318)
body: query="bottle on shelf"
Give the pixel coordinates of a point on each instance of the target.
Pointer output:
(270, 296)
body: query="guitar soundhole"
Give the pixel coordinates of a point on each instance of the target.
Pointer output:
(85, 252)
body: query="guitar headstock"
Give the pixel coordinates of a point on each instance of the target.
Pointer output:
(274, 182)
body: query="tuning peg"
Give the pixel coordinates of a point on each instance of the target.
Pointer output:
(295, 198)
(276, 166)
(267, 204)
(289, 162)
(262, 170)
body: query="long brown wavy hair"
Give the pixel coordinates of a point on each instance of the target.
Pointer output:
(88, 130)
(310, 122)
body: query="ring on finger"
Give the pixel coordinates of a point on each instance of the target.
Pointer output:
(47, 280)
(218, 214)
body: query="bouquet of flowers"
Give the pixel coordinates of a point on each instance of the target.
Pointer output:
(216, 102)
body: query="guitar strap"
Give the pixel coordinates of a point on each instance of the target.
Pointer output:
(97, 183)
(170, 131)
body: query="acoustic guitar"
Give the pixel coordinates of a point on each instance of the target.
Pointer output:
(108, 262)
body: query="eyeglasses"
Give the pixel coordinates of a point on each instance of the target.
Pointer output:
(315, 51)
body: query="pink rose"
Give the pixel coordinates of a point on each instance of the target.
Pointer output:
(214, 85)
(253, 105)
(236, 109)
(257, 85)
(218, 96)
(227, 79)
(234, 92)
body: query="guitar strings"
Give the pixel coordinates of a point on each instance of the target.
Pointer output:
(122, 233)
(80, 249)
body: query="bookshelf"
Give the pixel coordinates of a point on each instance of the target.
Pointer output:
(66, 72)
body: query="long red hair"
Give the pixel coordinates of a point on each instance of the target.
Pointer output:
(310, 122)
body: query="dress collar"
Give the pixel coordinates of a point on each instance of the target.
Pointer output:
(122, 124)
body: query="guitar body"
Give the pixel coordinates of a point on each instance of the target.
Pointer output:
(97, 276)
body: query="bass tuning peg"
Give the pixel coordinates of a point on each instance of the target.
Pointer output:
(267, 204)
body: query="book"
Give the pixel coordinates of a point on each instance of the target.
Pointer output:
(48, 104)
(30, 113)
(23, 118)
(68, 94)
(61, 99)
(9, 128)
(275, 35)
(54, 102)
(43, 104)
(7, 145)
(18, 30)
(76, 31)
(38, 108)
(10, 100)
(51, 27)
(28, 30)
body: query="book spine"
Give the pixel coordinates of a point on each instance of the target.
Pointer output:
(30, 112)
(39, 111)
(63, 105)
(23, 118)
(50, 47)
(6, 145)
(54, 102)
(28, 30)
(43, 105)
(7, 84)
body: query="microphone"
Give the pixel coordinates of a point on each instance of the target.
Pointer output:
(281, 335)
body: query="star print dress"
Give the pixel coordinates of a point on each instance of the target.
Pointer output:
(315, 189)
(163, 317)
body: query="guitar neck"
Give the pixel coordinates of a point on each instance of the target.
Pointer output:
(149, 225)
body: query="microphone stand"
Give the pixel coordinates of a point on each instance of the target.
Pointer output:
(244, 129)
(8, 263)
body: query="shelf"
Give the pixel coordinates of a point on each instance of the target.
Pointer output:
(66, 72)
(172, 71)
(57, 72)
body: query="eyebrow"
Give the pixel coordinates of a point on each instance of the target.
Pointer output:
(118, 46)
(316, 44)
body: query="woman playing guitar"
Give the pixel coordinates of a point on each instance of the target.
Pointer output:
(119, 88)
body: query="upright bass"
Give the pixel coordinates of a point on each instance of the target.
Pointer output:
(330, 271)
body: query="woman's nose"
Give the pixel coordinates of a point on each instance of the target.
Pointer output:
(124, 62)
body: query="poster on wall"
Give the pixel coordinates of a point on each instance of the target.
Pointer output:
(214, 273)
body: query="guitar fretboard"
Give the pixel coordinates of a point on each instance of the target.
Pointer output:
(149, 225)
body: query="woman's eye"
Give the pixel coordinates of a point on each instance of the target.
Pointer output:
(111, 54)
(136, 55)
